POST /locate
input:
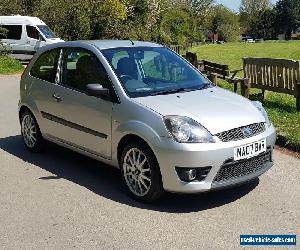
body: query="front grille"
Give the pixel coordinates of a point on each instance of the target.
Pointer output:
(242, 168)
(238, 134)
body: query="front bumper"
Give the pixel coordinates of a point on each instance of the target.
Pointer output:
(171, 154)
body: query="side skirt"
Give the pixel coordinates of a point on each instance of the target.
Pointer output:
(80, 150)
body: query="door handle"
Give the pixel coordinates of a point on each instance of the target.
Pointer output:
(56, 97)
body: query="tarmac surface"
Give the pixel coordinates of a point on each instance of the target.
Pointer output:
(63, 200)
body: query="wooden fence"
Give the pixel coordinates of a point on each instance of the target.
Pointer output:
(176, 48)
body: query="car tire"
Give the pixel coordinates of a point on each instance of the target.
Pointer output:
(140, 173)
(31, 133)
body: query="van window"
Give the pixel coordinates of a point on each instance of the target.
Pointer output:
(45, 67)
(14, 32)
(32, 32)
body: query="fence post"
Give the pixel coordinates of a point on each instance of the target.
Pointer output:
(245, 87)
(213, 78)
(235, 85)
(297, 86)
(192, 58)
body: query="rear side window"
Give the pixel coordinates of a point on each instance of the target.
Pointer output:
(32, 32)
(14, 32)
(45, 67)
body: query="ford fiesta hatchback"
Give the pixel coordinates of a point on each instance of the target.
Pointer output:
(140, 107)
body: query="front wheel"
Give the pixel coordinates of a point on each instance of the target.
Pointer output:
(140, 173)
(31, 133)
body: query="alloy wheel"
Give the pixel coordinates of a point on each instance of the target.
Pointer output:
(137, 172)
(29, 131)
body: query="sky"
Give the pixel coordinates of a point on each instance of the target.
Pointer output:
(234, 4)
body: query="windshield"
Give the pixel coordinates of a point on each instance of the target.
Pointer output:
(145, 71)
(46, 31)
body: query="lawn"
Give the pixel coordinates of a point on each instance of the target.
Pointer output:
(280, 107)
(10, 65)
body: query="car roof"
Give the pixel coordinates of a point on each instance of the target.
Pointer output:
(97, 44)
(101, 44)
(17, 19)
(107, 44)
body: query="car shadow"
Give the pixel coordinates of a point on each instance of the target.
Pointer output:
(105, 181)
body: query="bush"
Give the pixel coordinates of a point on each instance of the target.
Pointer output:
(3, 49)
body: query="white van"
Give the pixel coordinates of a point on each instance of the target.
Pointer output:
(26, 34)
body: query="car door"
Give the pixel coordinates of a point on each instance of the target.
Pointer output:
(82, 121)
(44, 76)
(33, 39)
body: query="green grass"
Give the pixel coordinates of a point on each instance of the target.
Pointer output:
(10, 65)
(280, 107)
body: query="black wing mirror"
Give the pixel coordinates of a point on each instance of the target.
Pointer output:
(97, 90)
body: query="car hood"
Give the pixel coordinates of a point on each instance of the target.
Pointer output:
(216, 109)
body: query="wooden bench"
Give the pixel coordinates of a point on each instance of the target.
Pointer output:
(277, 75)
(216, 70)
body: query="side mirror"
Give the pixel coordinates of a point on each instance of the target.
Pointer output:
(97, 90)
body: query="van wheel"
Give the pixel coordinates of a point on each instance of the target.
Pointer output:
(140, 173)
(31, 133)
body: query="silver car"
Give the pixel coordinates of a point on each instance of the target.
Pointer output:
(140, 107)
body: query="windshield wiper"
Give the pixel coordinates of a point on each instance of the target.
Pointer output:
(181, 90)
(171, 91)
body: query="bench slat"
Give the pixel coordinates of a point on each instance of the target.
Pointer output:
(218, 71)
(216, 65)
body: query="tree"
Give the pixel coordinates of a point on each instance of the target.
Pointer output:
(175, 27)
(253, 7)
(288, 16)
(22, 7)
(225, 23)
(200, 7)
(263, 26)
(174, 21)
(250, 9)
(81, 19)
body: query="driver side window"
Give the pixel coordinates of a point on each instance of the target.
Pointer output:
(32, 32)
(82, 67)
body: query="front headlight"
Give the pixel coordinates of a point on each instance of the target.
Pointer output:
(260, 107)
(186, 130)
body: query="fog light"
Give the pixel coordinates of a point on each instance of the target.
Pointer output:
(186, 174)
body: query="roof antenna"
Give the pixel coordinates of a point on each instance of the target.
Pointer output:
(132, 43)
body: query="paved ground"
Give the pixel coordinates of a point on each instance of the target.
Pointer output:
(62, 200)
(22, 57)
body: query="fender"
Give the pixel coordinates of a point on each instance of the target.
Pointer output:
(134, 127)
(29, 103)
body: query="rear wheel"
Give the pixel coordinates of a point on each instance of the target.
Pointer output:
(31, 133)
(140, 173)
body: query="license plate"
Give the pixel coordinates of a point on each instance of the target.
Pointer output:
(249, 150)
